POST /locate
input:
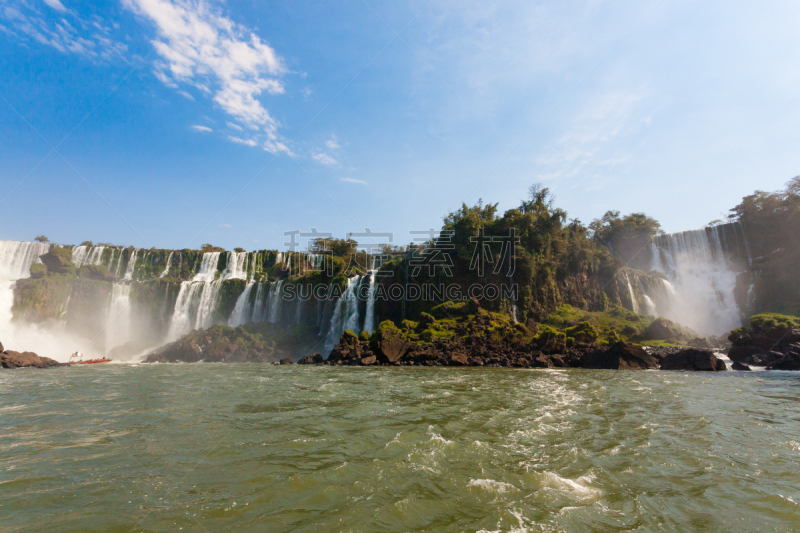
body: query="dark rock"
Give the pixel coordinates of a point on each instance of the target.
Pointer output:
(12, 359)
(740, 366)
(790, 362)
(311, 359)
(620, 356)
(1, 348)
(286, 361)
(692, 359)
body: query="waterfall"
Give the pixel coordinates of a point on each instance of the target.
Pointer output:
(274, 302)
(131, 265)
(87, 255)
(701, 266)
(258, 304)
(634, 303)
(118, 325)
(78, 255)
(345, 314)
(16, 259)
(197, 299)
(241, 311)
(237, 266)
(369, 320)
(166, 269)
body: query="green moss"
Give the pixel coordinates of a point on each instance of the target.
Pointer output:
(38, 270)
(774, 321)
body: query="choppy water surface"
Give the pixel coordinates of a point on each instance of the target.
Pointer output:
(261, 448)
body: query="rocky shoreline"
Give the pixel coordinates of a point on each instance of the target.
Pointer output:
(10, 359)
(491, 340)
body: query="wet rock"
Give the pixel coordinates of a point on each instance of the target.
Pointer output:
(12, 359)
(370, 360)
(1, 348)
(692, 359)
(740, 366)
(286, 361)
(790, 362)
(620, 356)
(311, 359)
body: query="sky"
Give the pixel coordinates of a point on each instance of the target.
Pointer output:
(174, 123)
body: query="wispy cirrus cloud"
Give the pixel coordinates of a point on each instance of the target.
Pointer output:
(198, 46)
(353, 180)
(204, 129)
(56, 26)
(324, 158)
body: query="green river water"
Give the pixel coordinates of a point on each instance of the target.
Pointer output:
(251, 447)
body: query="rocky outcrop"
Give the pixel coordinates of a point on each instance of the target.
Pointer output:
(220, 344)
(771, 340)
(12, 359)
(740, 366)
(692, 359)
(667, 330)
(286, 361)
(620, 356)
(312, 359)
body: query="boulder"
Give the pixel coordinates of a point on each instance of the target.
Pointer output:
(389, 343)
(58, 260)
(740, 366)
(370, 360)
(692, 359)
(1, 348)
(311, 359)
(458, 359)
(620, 356)
(663, 329)
(286, 361)
(12, 359)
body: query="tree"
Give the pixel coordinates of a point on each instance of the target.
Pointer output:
(238, 250)
(627, 237)
(41, 238)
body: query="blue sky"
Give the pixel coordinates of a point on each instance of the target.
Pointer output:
(176, 123)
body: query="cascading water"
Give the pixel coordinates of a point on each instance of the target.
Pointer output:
(634, 303)
(274, 303)
(369, 320)
(166, 269)
(129, 269)
(16, 259)
(345, 314)
(118, 326)
(241, 311)
(197, 300)
(701, 266)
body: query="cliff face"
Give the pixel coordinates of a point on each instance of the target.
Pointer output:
(772, 224)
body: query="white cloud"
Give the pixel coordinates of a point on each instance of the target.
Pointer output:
(248, 142)
(353, 180)
(204, 129)
(200, 47)
(324, 158)
(234, 126)
(67, 33)
(225, 225)
(332, 143)
(55, 4)
(186, 95)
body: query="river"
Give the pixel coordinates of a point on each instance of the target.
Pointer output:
(251, 447)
